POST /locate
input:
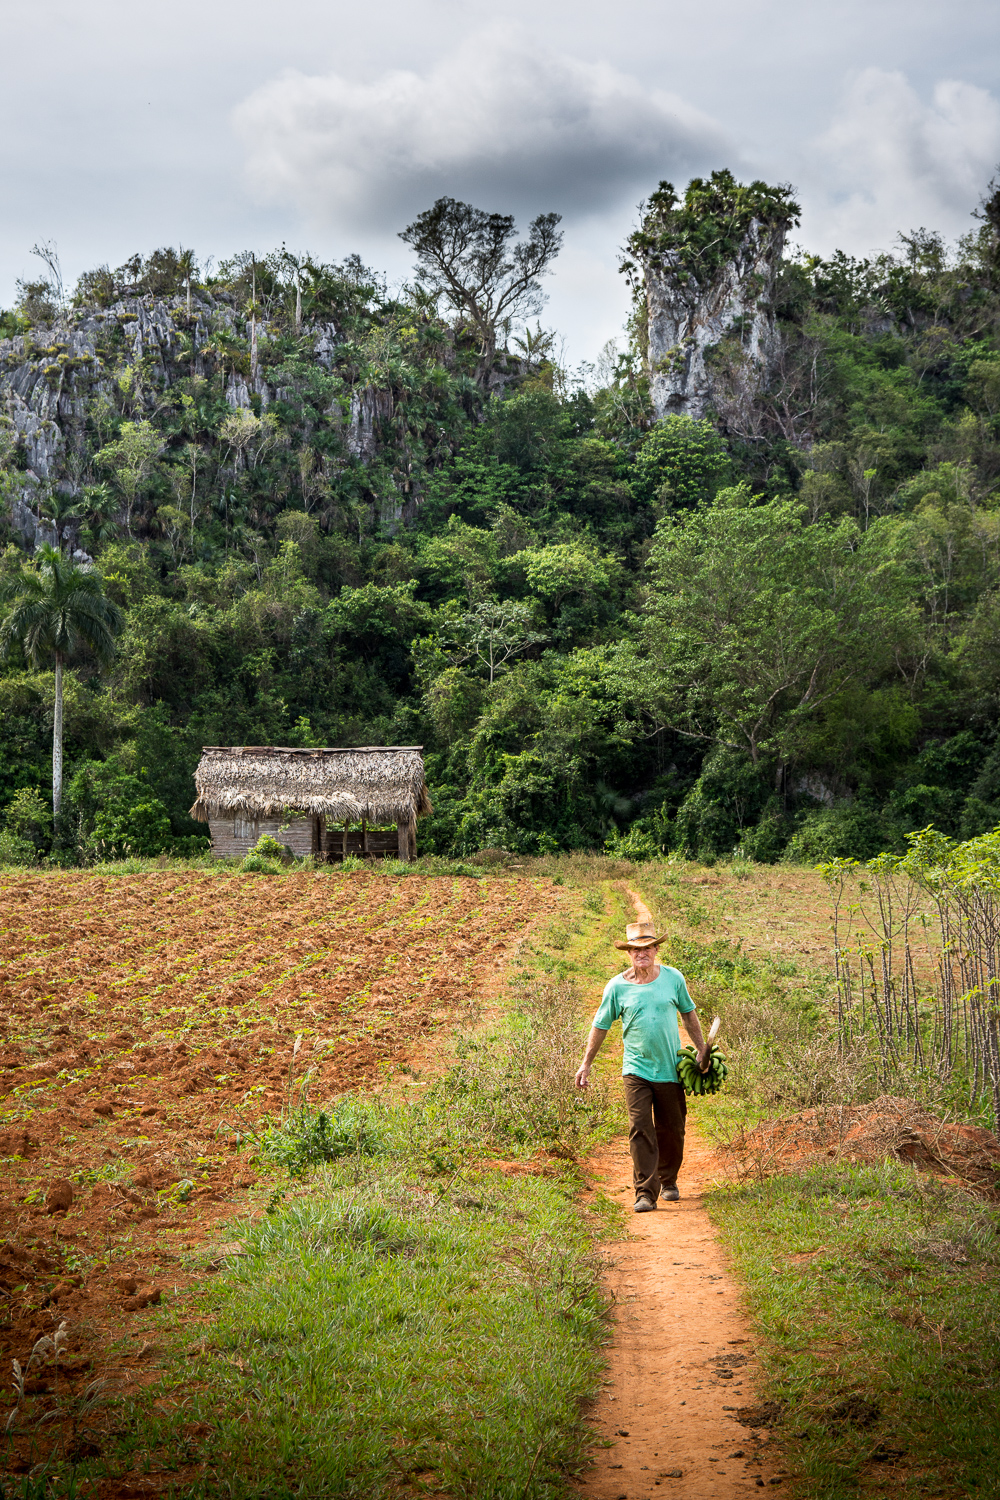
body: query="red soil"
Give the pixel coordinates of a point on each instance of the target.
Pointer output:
(147, 1019)
(870, 1133)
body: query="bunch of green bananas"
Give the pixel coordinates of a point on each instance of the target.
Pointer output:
(691, 1076)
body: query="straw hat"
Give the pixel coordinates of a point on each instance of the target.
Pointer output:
(642, 932)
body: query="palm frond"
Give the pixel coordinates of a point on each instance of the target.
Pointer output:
(57, 606)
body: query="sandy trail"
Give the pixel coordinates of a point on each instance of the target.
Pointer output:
(682, 1357)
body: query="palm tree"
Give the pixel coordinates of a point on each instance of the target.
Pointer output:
(64, 511)
(56, 606)
(188, 268)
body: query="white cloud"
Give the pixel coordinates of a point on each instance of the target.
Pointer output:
(889, 162)
(499, 120)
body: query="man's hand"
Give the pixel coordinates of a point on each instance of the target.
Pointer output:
(693, 1028)
(594, 1041)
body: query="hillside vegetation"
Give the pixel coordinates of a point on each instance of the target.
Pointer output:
(331, 514)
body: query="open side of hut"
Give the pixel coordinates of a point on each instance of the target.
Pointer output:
(328, 803)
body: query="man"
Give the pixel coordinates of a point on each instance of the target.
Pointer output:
(648, 997)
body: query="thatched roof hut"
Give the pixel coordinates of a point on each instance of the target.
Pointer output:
(300, 791)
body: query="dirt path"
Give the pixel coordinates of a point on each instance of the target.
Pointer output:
(682, 1359)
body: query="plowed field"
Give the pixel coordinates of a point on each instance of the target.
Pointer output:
(144, 1016)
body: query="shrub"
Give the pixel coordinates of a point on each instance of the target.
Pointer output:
(15, 850)
(29, 817)
(722, 810)
(310, 1136)
(266, 857)
(847, 832)
(764, 842)
(141, 829)
(118, 812)
(682, 463)
(637, 843)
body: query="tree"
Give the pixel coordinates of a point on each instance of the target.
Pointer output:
(681, 463)
(64, 511)
(494, 633)
(989, 212)
(187, 267)
(47, 253)
(132, 457)
(467, 256)
(56, 607)
(756, 620)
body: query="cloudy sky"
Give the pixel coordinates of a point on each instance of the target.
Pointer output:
(328, 125)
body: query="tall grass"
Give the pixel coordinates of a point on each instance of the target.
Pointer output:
(511, 1087)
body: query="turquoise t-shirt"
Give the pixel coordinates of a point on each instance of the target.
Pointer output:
(648, 1015)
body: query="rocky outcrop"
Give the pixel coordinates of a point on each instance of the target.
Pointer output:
(54, 379)
(45, 384)
(688, 319)
(369, 409)
(325, 344)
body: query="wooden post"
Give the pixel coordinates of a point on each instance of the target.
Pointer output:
(343, 846)
(364, 836)
(406, 837)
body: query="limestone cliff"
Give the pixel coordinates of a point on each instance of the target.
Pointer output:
(52, 379)
(708, 271)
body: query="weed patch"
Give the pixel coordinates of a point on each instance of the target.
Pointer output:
(310, 1136)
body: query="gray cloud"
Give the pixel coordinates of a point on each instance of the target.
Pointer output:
(499, 120)
(890, 161)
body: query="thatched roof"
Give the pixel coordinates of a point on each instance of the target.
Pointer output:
(380, 783)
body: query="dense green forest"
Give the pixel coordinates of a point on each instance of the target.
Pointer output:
(333, 515)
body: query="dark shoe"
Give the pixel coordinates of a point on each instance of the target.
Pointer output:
(670, 1193)
(644, 1205)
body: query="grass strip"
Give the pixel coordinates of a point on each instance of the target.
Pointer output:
(386, 1337)
(877, 1302)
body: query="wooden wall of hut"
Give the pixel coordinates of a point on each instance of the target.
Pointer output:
(233, 837)
(361, 843)
(407, 838)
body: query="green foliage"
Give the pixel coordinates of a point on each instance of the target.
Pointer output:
(142, 829)
(309, 1137)
(267, 857)
(757, 619)
(16, 850)
(29, 817)
(695, 236)
(524, 430)
(731, 805)
(981, 811)
(118, 814)
(637, 843)
(827, 833)
(56, 607)
(409, 515)
(681, 464)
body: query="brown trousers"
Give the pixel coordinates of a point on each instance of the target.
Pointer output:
(656, 1115)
